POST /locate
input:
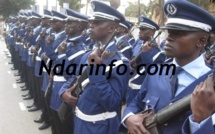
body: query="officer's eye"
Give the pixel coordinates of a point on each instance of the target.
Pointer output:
(179, 32)
(97, 22)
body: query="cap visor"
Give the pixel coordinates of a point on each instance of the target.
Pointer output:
(179, 27)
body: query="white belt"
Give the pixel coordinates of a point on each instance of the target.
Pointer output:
(38, 58)
(94, 118)
(85, 82)
(18, 43)
(39, 50)
(76, 54)
(134, 86)
(124, 49)
(29, 52)
(59, 78)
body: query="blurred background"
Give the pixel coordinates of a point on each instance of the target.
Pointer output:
(131, 9)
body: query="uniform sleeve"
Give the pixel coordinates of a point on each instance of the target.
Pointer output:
(50, 52)
(204, 127)
(137, 105)
(65, 86)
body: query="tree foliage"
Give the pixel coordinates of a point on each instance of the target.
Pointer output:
(202, 3)
(114, 3)
(8, 7)
(73, 4)
(132, 10)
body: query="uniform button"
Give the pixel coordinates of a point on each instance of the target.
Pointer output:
(94, 122)
(147, 101)
(170, 103)
(166, 124)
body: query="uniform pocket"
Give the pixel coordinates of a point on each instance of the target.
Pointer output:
(150, 100)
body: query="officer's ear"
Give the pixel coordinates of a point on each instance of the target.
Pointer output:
(113, 26)
(203, 40)
(82, 26)
(152, 32)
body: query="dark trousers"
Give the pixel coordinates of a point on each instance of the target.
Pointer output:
(16, 59)
(38, 84)
(46, 113)
(61, 128)
(12, 50)
(31, 81)
(24, 72)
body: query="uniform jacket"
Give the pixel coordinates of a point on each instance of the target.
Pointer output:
(101, 95)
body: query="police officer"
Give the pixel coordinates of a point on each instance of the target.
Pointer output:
(188, 28)
(122, 42)
(11, 40)
(36, 29)
(202, 106)
(50, 55)
(68, 53)
(209, 53)
(24, 57)
(150, 53)
(99, 106)
(40, 48)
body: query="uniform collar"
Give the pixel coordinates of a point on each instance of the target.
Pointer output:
(58, 34)
(75, 38)
(36, 28)
(119, 38)
(194, 68)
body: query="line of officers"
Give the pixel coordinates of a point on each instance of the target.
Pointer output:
(74, 38)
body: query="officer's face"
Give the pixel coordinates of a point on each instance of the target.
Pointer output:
(57, 25)
(183, 44)
(121, 30)
(99, 29)
(145, 34)
(45, 22)
(71, 27)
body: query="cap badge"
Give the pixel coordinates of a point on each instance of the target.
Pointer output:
(171, 9)
(141, 19)
(92, 6)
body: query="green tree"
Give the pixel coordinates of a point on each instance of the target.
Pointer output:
(73, 4)
(132, 10)
(114, 3)
(8, 7)
(202, 3)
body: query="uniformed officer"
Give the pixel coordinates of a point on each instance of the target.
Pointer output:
(149, 53)
(188, 28)
(11, 40)
(25, 41)
(50, 55)
(36, 29)
(99, 106)
(202, 106)
(210, 51)
(68, 53)
(38, 51)
(20, 35)
(129, 35)
(122, 42)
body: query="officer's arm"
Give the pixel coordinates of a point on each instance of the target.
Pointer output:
(137, 105)
(204, 127)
